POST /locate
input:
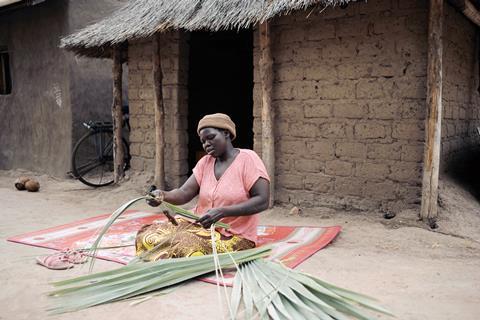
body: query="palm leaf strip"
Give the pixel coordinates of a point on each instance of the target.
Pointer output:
(140, 278)
(117, 213)
(291, 294)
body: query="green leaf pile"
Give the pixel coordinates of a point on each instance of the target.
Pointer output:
(268, 290)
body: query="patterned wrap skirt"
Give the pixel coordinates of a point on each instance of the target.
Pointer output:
(165, 240)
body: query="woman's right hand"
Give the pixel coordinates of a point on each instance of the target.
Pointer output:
(158, 198)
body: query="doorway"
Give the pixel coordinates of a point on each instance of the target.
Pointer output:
(220, 79)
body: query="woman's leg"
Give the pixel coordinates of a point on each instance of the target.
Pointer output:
(164, 241)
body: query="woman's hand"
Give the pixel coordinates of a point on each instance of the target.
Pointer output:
(158, 198)
(212, 216)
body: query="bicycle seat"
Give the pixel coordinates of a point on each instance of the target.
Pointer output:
(98, 124)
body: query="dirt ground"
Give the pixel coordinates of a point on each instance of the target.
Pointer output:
(417, 273)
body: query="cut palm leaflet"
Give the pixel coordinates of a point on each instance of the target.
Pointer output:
(262, 288)
(138, 278)
(268, 289)
(117, 213)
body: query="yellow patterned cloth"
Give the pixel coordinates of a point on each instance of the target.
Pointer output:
(165, 240)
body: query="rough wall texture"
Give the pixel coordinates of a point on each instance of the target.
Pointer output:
(90, 79)
(52, 91)
(349, 96)
(35, 118)
(174, 59)
(461, 99)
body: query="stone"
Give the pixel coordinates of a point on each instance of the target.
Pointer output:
(369, 131)
(350, 110)
(317, 109)
(348, 186)
(290, 181)
(321, 149)
(338, 168)
(408, 131)
(406, 171)
(319, 183)
(351, 150)
(307, 165)
(384, 151)
(378, 171)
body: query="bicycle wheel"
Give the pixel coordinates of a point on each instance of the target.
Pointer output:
(92, 158)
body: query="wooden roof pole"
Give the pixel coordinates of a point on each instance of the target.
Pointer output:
(433, 134)
(117, 116)
(268, 115)
(468, 9)
(159, 114)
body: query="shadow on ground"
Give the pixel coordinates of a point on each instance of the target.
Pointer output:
(465, 170)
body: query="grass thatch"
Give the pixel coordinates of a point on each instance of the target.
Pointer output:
(142, 18)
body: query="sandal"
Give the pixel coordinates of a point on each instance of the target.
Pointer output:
(56, 261)
(75, 256)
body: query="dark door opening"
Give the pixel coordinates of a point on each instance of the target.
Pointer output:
(220, 79)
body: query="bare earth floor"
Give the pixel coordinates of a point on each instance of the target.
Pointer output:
(417, 273)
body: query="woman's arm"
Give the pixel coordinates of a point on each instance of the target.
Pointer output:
(259, 199)
(181, 195)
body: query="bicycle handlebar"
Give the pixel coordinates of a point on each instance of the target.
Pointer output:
(93, 125)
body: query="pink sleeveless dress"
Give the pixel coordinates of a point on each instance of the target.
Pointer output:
(232, 188)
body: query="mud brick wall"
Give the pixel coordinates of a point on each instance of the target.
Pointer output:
(461, 100)
(142, 113)
(349, 96)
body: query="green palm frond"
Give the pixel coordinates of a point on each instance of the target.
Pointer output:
(262, 289)
(276, 292)
(187, 214)
(117, 213)
(140, 278)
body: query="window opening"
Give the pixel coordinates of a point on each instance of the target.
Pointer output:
(5, 78)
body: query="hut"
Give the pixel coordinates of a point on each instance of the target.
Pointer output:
(351, 104)
(45, 92)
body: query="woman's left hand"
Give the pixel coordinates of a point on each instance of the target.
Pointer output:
(212, 216)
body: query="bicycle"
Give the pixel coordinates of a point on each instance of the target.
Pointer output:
(92, 156)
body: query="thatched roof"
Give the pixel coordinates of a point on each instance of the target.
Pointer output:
(142, 18)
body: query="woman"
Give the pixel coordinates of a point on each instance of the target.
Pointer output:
(232, 186)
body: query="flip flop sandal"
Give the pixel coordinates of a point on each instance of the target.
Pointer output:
(75, 256)
(56, 261)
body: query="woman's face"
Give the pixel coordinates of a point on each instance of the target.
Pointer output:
(214, 141)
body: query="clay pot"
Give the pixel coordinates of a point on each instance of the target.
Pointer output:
(20, 183)
(32, 185)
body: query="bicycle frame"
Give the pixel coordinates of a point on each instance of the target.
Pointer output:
(97, 146)
(102, 150)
